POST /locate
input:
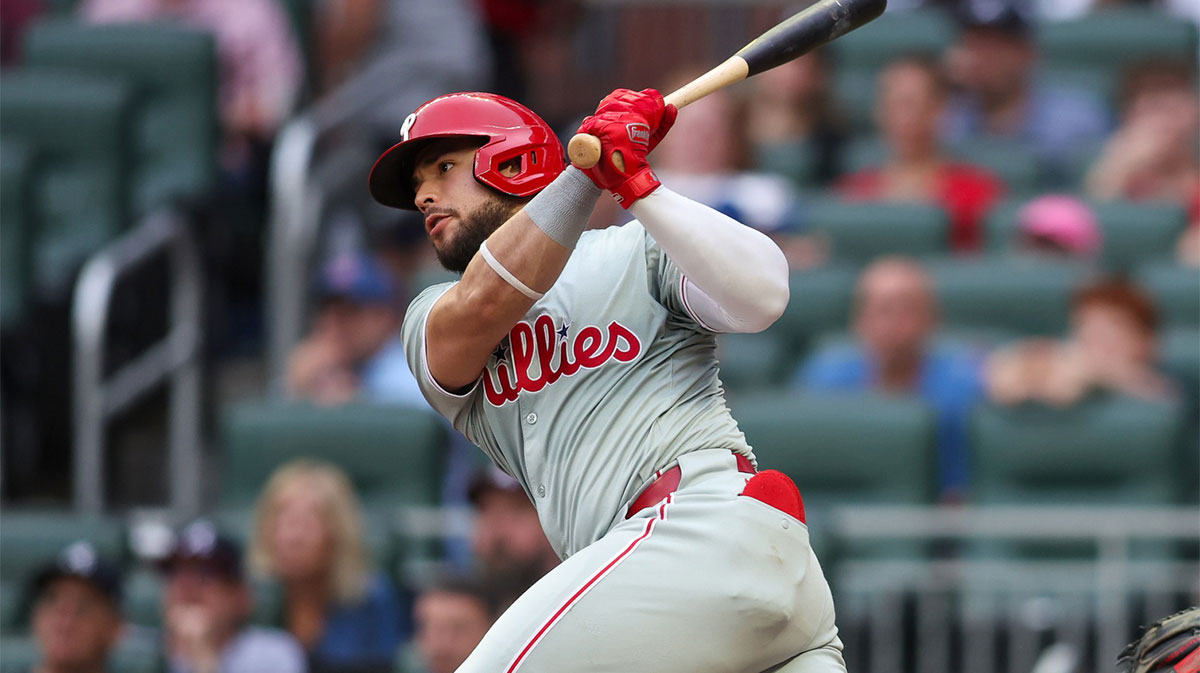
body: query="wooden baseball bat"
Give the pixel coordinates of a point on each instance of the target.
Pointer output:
(797, 35)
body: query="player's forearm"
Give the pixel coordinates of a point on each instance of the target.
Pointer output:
(739, 268)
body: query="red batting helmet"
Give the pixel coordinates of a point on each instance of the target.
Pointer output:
(509, 131)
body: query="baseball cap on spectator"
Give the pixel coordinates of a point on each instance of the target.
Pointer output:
(80, 560)
(1063, 222)
(1011, 17)
(491, 479)
(200, 544)
(357, 277)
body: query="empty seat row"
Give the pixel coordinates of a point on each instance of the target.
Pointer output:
(1133, 233)
(864, 449)
(109, 123)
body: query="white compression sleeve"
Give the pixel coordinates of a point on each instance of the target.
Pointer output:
(737, 278)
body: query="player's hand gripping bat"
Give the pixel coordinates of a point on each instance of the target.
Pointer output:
(823, 21)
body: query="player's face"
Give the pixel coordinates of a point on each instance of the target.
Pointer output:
(460, 213)
(74, 625)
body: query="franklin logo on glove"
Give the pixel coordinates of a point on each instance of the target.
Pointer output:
(639, 133)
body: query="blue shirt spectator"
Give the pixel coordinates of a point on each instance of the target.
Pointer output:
(894, 322)
(363, 634)
(1055, 123)
(993, 66)
(949, 381)
(386, 377)
(353, 351)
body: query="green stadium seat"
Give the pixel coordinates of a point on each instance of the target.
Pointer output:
(12, 603)
(1134, 233)
(863, 153)
(1092, 52)
(843, 449)
(32, 538)
(1017, 167)
(1139, 232)
(1026, 296)
(1179, 356)
(859, 232)
(820, 302)
(16, 179)
(1176, 291)
(80, 127)
(394, 455)
(796, 161)
(1105, 450)
(752, 361)
(175, 72)
(895, 34)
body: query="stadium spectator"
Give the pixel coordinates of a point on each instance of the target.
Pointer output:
(354, 349)
(451, 616)
(894, 323)
(1111, 348)
(76, 611)
(792, 125)
(1058, 226)
(507, 539)
(1152, 154)
(205, 610)
(912, 95)
(993, 66)
(308, 535)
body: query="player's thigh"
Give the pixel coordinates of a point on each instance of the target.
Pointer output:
(541, 608)
(714, 585)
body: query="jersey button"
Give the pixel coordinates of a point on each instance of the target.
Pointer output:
(531, 418)
(542, 491)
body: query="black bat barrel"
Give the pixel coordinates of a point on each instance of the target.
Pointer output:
(807, 30)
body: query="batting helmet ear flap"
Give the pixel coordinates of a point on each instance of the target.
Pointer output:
(509, 130)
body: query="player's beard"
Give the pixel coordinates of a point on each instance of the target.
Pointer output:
(473, 230)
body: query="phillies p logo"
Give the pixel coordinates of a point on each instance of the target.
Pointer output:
(638, 133)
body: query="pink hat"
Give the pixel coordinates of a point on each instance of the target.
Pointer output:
(1065, 220)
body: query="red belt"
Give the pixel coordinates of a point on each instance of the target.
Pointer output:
(668, 482)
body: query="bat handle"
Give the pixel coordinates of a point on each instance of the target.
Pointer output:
(584, 149)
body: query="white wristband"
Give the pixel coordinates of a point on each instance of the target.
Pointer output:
(506, 274)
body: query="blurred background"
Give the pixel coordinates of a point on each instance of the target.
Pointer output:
(986, 383)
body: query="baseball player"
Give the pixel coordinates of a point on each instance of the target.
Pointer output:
(583, 364)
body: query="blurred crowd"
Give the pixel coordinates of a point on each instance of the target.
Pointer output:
(330, 605)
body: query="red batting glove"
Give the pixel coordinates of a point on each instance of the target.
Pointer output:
(631, 123)
(648, 103)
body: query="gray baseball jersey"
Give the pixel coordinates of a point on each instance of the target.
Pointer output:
(608, 378)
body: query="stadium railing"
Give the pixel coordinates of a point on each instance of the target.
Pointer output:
(987, 615)
(174, 360)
